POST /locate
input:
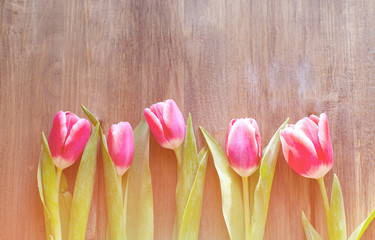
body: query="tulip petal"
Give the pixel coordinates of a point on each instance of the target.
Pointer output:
(310, 129)
(241, 148)
(174, 123)
(325, 140)
(121, 146)
(155, 126)
(71, 119)
(299, 151)
(257, 136)
(58, 134)
(76, 141)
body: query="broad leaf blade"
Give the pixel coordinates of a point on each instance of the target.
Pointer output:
(192, 215)
(310, 232)
(231, 190)
(358, 232)
(47, 219)
(83, 189)
(186, 175)
(140, 213)
(115, 218)
(263, 188)
(337, 211)
(51, 195)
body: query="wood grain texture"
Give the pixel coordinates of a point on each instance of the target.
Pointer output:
(219, 60)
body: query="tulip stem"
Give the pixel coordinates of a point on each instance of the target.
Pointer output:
(58, 178)
(178, 152)
(246, 206)
(120, 182)
(325, 203)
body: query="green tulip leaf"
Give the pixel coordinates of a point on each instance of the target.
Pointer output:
(91, 117)
(253, 181)
(124, 195)
(47, 219)
(263, 189)
(310, 232)
(140, 213)
(188, 175)
(65, 202)
(115, 214)
(187, 168)
(231, 190)
(337, 211)
(358, 232)
(50, 193)
(191, 218)
(83, 189)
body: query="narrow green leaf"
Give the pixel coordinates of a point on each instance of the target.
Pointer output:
(310, 232)
(358, 232)
(186, 175)
(253, 181)
(192, 214)
(115, 218)
(83, 189)
(337, 211)
(140, 213)
(65, 201)
(115, 211)
(51, 196)
(125, 184)
(47, 219)
(231, 190)
(263, 188)
(91, 117)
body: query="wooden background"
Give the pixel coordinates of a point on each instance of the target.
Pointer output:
(217, 59)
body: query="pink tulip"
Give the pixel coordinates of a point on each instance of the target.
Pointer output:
(307, 146)
(166, 123)
(121, 146)
(68, 138)
(243, 146)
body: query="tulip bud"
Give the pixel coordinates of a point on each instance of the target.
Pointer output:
(307, 146)
(121, 146)
(166, 123)
(243, 146)
(68, 138)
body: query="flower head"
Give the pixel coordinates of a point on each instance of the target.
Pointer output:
(307, 146)
(166, 123)
(121, 146)
(68, 138)
(243, 146)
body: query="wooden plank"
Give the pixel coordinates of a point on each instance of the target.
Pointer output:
(219, 60)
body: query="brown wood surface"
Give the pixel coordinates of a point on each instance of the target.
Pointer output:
(217, 59)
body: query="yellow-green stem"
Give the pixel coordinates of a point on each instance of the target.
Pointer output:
(326, 204)
(120, 182)
(178, 152)
(246, 206)
(58, 178)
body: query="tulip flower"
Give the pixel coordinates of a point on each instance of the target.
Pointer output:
(121, 146)
(166, 123)
(243, 148)
(308, 150)
(68, 138)
(307, 146)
